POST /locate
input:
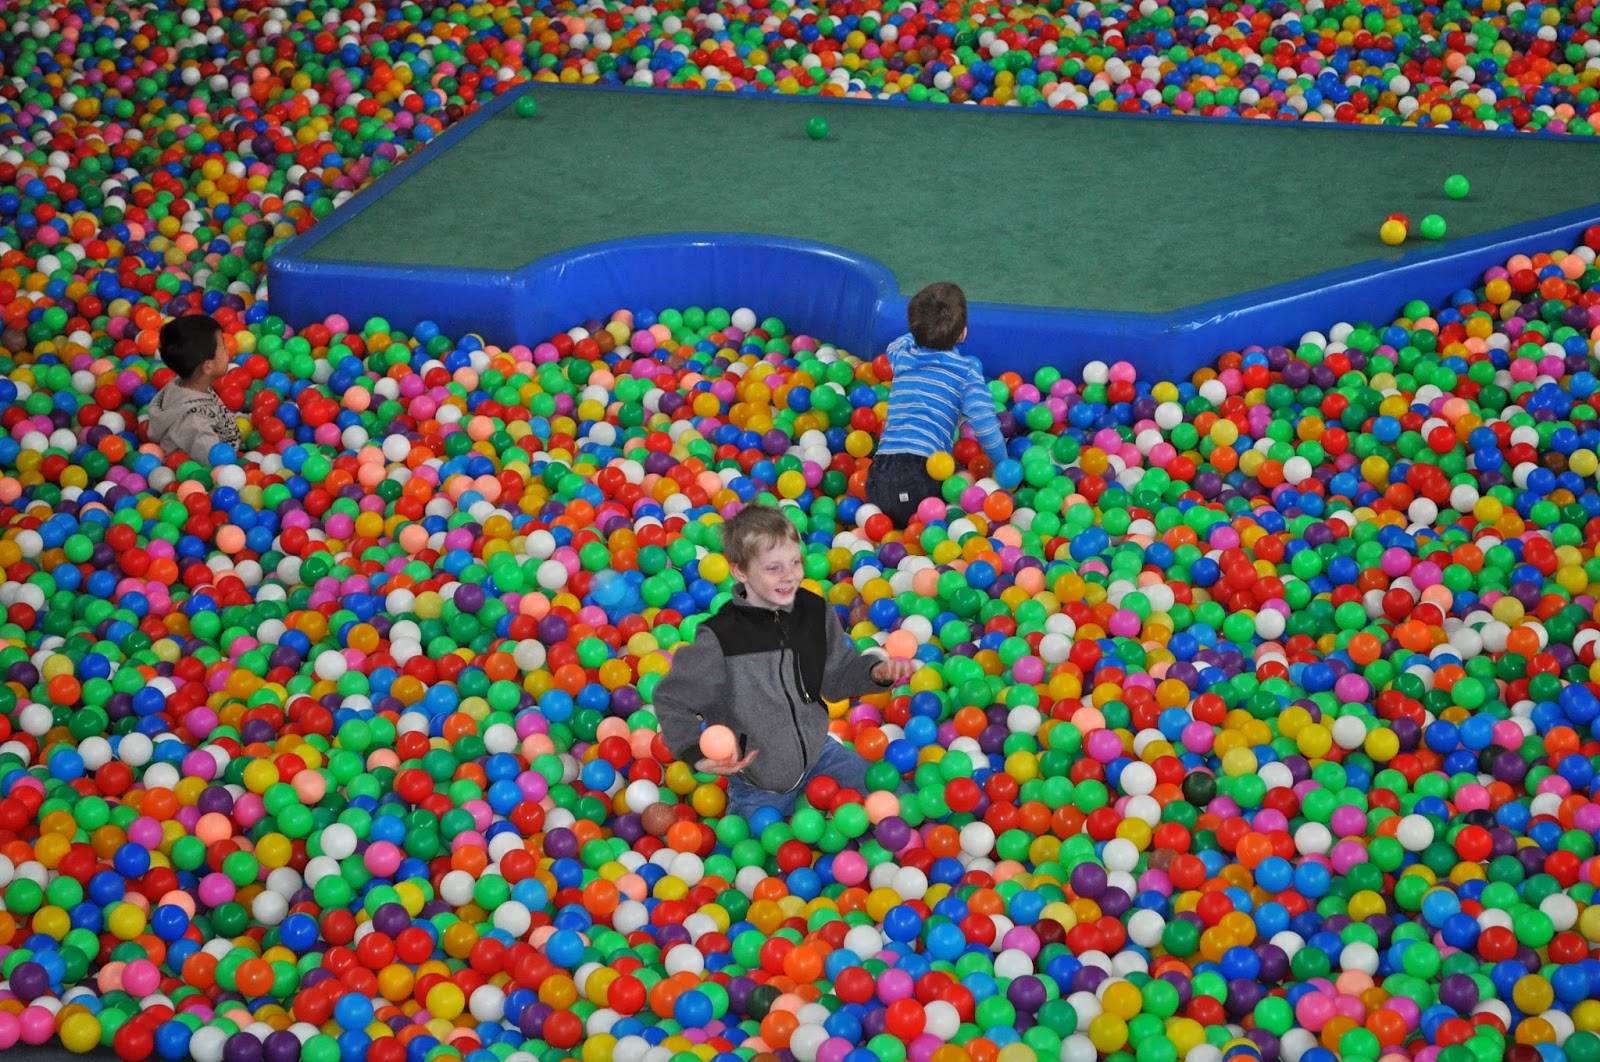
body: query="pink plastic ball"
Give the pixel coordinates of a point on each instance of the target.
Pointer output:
(850, 868)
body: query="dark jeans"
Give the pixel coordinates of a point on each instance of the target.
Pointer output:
(837, 761)
(898, 483)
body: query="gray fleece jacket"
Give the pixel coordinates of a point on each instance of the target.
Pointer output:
(764, 674)
(182, 418)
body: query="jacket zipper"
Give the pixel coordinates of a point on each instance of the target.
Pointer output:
(794, 713)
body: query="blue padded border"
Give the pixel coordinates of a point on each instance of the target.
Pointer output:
(854, 301)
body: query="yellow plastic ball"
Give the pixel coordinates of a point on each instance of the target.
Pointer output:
(446, 1001)
(880, 902)
(1122, 999)
(1589, 924)
(670, 888)
(1292, 720)
(1392, 233)
(52, 922)
(1108, 1033)
(599, 1048)
(1239, 762)
(1572, 579)
(1186, 1034)
(708, 801)
(260, 775)
(1586, 1015)
(714, 567)
(125, 922)
(1315, 741)
(941, 466)
(1382, 745)
(274, 851)
(1532, 994)
(858, 443)
(598, 984)
(80, 1033)
(1364, 904)
(791, 484)
(1508, 610)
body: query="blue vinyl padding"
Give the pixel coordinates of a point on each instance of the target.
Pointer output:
(853, 301)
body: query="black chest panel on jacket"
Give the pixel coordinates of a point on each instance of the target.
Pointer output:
(744, 630)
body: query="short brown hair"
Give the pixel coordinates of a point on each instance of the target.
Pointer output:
(938, 315)
(754, 529)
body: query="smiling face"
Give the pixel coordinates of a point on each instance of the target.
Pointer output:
(773, 575)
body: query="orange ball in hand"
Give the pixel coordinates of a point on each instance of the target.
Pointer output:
(718, 743)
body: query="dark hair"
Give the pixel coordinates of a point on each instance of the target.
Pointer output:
(189, 342)
(755, 529)
(938, 315)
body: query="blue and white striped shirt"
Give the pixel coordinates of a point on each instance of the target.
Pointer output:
(932, 389)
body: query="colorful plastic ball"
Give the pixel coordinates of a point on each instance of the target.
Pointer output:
(1456, 186)
(1433, 227)
(1253, 701)
(816, 127)
(719, 743)
(1393, 233)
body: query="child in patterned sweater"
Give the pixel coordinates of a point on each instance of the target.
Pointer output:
(186, 415)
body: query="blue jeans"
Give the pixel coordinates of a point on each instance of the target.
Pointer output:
(837, 761)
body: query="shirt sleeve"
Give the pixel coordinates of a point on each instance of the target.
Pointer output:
(690, 691)
(897, 352)
(198, 439)
(978, 406)
(848, 672)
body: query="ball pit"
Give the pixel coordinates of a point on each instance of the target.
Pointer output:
(1257, 719)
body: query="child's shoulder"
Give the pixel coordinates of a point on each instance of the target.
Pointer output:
(906, 345)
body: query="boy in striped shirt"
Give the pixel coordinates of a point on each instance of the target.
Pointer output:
(934, 386)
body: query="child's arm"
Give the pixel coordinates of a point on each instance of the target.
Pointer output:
(977, 404)
(693, 688)
(897, 351)
(847, 672)
(208, 438)
(195, 437)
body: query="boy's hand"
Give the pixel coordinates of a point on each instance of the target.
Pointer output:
(894, 672)
(725, 767)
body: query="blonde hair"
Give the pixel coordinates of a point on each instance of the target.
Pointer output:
(753, 530)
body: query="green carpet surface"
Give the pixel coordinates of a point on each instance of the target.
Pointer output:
(1023, 208)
